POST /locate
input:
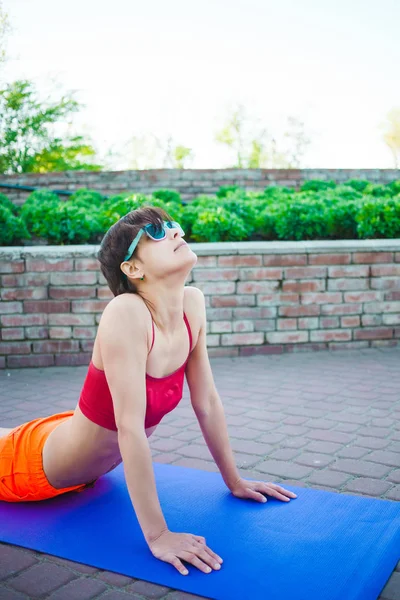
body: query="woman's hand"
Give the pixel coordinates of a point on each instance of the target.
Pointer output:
(171, 547)
(257, 490)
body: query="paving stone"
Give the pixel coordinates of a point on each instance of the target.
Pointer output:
(41, 579)
(391, 591)
(360, 467)
(284, 453)
(166, 445)
(114, 578)
(196, 463)
(251, 447)
(166, 458)
(10, 594)
(385, 457)
(83, 588)
(372, 443)
(184, 596)
(283, 469)
(327, 477)
(394, 476)
(371, 487)
(393, 493)
(330, 436)
(13, 559)
(323, 447)
(312, 459)
(352, 452)
(195, 451)
(120, 595)
(149, 590)
(75, 566)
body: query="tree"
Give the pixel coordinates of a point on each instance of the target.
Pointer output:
(391, 135)
(254, 147)
(4, 29)
(28, 140)
(148, 151)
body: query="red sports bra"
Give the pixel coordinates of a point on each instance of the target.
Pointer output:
(162, 394)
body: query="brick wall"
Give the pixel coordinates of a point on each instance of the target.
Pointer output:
(262, 297)
(189, 182)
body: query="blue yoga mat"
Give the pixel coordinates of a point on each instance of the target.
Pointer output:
(322, 545)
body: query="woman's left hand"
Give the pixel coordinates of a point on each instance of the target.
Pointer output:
(257, 490)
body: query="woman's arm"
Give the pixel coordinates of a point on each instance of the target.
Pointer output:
(123, 346)
(205, 399)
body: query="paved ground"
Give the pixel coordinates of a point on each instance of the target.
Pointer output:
(326, 420)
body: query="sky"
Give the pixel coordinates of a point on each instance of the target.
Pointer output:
(178, 67)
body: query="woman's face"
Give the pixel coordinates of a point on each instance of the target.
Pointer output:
(161, 259)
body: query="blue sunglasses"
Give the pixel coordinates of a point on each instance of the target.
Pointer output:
(155, 233)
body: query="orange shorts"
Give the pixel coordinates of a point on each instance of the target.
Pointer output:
(22, 478)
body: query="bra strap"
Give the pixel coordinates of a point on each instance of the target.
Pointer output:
(189, 331)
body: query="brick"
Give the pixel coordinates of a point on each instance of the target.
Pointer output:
(213, 339)
(56, 346)
(373, 333)
(114, 579)
(86, 264)
(341, 309)
(45, 577)
(305, 272)
(25, 280)
(73, 360)
(104, 293)
(84, 332)
(223, 352)
(371, 320)
(353, 321)
(36, 332)
(299, 311)
(286, 324)
(372, 257)
(264, 325)
(329, 259)
(259, 287)
(60, 333)
(299, 286)
(219, 314)
(148, 590)
(385, 283)
(382, 307)
(215, 274)
(71, 319)
(38, 293)
(389, 296)
(284, 260)
(7, 308)
(242, 339)
(353, 272)
(50, 264)
(385, 270)
(12, 333)
(15, 266)
(277, 299)
(243, 326)
(255, 313)
(323, 298)
(87, 345)
(260, 350)
(287, 338)
(21, 320)
(331, 335)
(15, 347)
(237, 300)
(239, 261)
(257, 274)
(308, 323)
(392, 319)
(83, 588)
(347, 284)
(69, 292)
(329, 322)
(397, 257)
(13, 559)
(218, 287)
(362, 297)
(361, 467)
(82, 278)
(209, 261)
(102, 280)
(221, 327)
(46, 306)
(88, 306)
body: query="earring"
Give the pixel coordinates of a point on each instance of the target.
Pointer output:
(142, 278)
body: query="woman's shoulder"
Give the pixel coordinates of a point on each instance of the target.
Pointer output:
(126, 308)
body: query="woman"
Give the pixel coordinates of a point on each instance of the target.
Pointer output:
(150, 335)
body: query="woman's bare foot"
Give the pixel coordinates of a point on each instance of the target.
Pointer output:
(4, 431)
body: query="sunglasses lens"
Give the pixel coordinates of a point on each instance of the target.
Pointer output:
(156, 232)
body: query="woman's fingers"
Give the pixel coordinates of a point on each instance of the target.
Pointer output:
(199, 559)
(276, 492)
(175, 562)
(214, 556)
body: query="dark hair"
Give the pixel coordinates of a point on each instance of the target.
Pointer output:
(117, 240)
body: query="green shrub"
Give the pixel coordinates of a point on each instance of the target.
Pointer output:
(89, 198)
(357, 184)
(117, 206)
(342, 220)
(36, 209)
(218, 225)
(168, 196)
(277, 190)
(6, 202)
(12, 228)
(317, 185)
(224, 190)
(379, 218)
(302, 221)
(378, 191)
(394, 187)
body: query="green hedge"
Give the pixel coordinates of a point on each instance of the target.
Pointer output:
(319, 210)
